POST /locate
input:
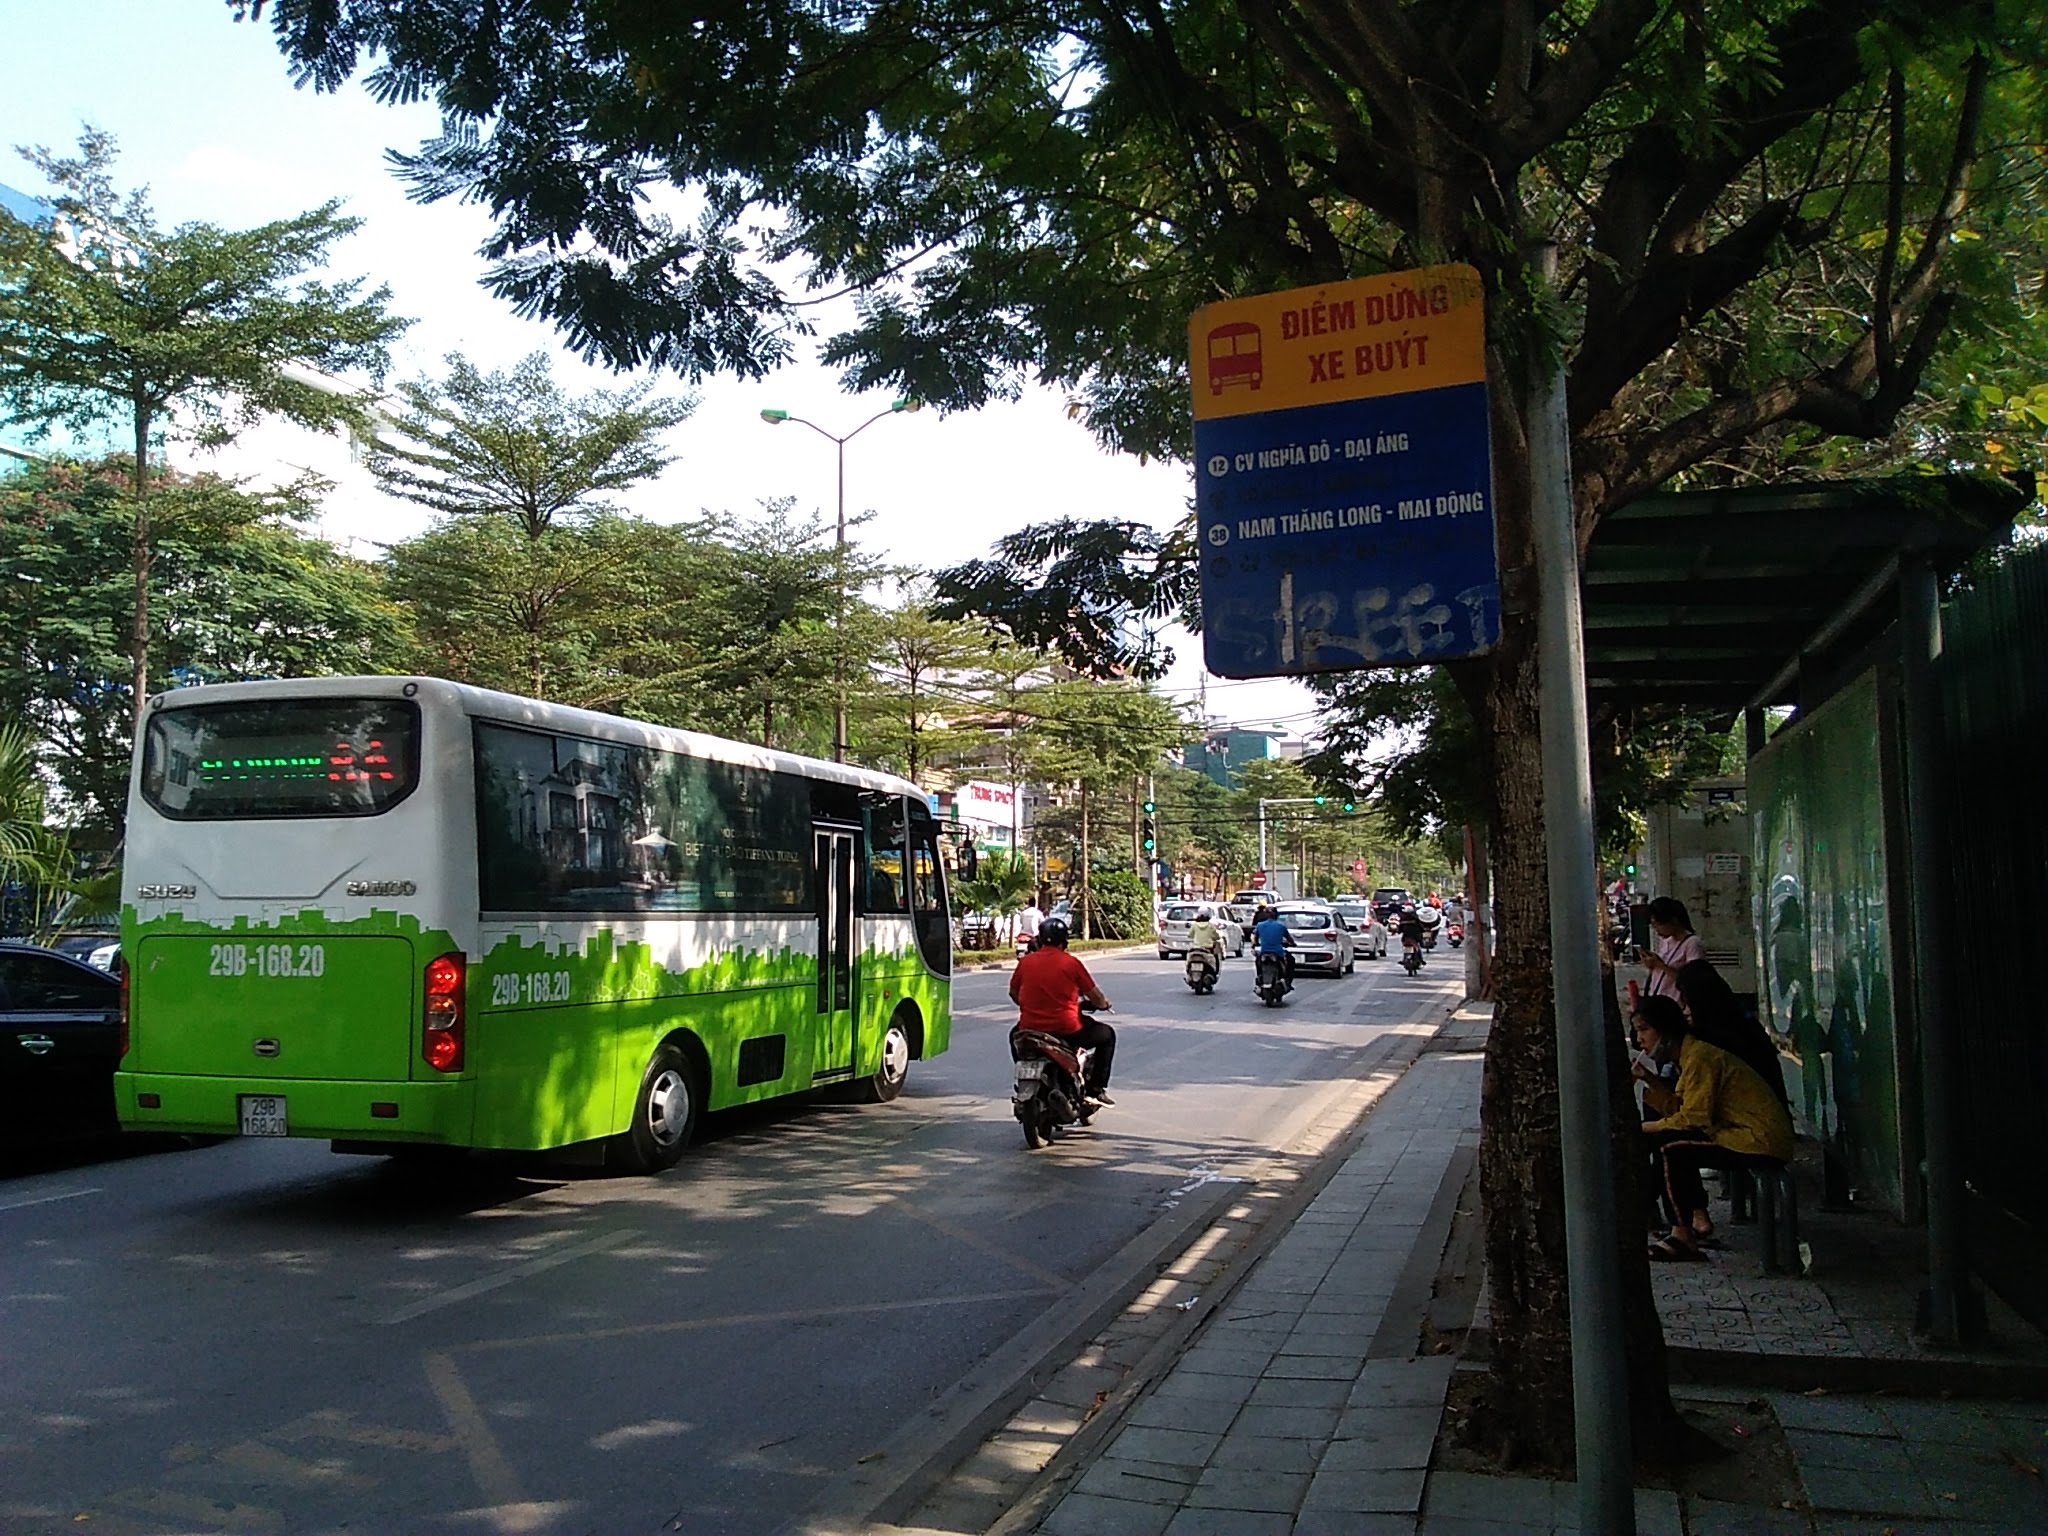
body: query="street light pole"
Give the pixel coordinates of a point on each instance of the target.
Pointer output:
(775, 418)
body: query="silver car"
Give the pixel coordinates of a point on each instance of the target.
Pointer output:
(1368, 933)
(1180, 917)
(1321, 942)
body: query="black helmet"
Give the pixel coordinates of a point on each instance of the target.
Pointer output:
(1053, 931)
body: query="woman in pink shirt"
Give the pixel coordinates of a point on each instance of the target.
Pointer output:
(1677, 946)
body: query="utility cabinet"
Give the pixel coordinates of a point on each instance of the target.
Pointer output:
(1697, 849)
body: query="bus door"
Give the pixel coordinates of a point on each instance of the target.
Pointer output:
(832, 858)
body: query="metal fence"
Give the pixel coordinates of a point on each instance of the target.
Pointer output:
(1994, 683)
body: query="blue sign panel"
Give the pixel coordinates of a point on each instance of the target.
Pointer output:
(1351, 523)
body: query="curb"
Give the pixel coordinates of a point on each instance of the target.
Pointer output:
(896, 1476)
(1078, 1453)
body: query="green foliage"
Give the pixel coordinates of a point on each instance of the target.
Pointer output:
(1119, 905)
(514, 445)
(1000, 886)
(912, 705)
(105, 317)
(30, 852)
(237, 591)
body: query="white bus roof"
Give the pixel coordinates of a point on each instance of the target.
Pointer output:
(511, 709)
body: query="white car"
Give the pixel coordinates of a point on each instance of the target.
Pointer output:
(1368, 933)
(1321, 941)
(1180, 917)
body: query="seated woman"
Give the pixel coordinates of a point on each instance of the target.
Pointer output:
(1713, 1014)
(1720, 1115)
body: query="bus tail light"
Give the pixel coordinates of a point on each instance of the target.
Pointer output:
(441, 1043)
(124, 1010)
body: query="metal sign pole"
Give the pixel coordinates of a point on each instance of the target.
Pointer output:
(1599, 1361)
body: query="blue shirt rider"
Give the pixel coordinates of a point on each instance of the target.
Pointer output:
(1272, 936)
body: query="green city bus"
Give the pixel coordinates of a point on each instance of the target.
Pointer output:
(396, 912)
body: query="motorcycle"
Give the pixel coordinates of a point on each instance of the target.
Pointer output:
(1271, 980)
(1046, 1084)
(1025, 944)
(1411, 958)
(1455, 932)
(1203, 969)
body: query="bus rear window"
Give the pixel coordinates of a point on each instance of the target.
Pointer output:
(281, 757)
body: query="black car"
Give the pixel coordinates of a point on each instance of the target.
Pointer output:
(1390, 899)
(60, 1040)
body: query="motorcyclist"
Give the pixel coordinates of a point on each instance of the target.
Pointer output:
(1273, 938)
(1204, 938)
(1413, 930)
(1047, 986)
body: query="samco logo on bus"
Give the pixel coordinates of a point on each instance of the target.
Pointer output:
(1369, 336)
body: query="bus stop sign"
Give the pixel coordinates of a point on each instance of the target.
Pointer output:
(1344, 476)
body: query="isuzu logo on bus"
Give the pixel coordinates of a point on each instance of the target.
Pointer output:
(382, 888)
(159, 892)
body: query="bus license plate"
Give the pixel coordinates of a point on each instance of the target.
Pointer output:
(262, 1114)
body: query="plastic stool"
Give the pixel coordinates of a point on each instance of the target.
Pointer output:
(1778, 1212)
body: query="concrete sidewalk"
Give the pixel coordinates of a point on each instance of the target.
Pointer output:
(1302, 1407)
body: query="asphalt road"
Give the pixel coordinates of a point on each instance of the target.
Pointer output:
(262, 1336)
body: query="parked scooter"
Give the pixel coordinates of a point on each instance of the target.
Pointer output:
(1203, 970)
(1046, 1084)
(1271, 980)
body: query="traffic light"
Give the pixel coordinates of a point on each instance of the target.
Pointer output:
(1350, 806)
(1151, 834)
(1629, 869)
(1149, 807)
(1319, 799)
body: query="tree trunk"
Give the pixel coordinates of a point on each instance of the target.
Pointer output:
(1084, 901)
(145, 558)
(1520, 1161)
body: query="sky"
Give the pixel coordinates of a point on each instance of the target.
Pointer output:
(207, 117)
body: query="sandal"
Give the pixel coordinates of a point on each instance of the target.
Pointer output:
(1666, 1251)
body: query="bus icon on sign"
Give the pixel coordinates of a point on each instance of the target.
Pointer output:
(1235, 356)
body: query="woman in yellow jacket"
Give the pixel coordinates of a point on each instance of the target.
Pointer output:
(1720, 1114)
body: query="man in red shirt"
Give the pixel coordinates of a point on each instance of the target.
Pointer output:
(1047, 986)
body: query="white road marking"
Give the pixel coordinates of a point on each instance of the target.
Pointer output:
(503, 1277)
(69, 1194)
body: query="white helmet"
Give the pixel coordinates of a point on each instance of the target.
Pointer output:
(1205, 915)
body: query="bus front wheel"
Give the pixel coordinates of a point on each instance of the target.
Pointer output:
(894, 1067)
(665, 1113)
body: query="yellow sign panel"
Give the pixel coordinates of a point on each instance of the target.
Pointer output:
(1386, 335)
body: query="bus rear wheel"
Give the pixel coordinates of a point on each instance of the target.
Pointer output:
(894, 1069)
(665, 1113)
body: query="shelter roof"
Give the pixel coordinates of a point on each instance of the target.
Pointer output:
(1711, 598)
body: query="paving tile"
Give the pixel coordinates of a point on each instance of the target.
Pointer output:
(1470, 1496)
(1349, 1522)
(1301, 1356)
(1249, 1489)
(1303, 1423)
(1140, 1482)
(1865, 1453)
(1866, 1493)
(1466, 1525)
(1300, 1392)
(1204, 1415)
(1657, 1510)
(1839, 1525)
(1925, 1423)
(1223, 1360)
(1383, 1452)
(1382, 1490)
(1083, 1514)
(1714, 1517)
(1275, 1453)
(1185, 1383)
(1842, 1415)
(1176, 1447)
(1229, 1522)
(1386, 1383)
